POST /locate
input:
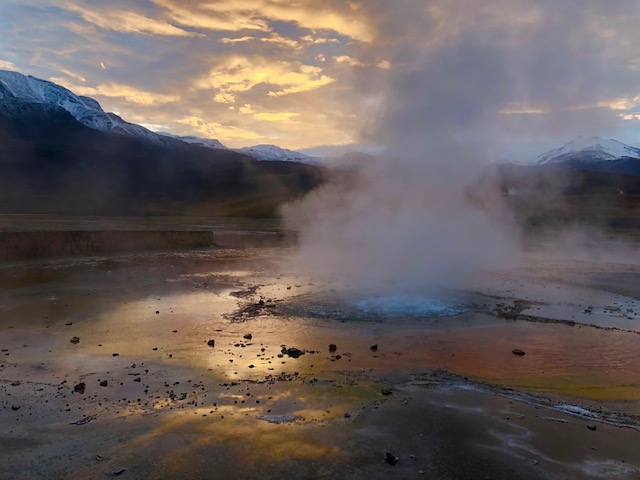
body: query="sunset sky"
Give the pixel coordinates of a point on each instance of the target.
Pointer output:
(308, 73)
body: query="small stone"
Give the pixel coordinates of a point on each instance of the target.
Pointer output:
(386, 391)
(333, 347)
(391, 459)
(593, 428)
(74, 339)
(15, 407)
(120, 471)
(517, 351)
(68, 324)
(104, 383)
(292, 352)
(115, 354)
(347, 415)
(137, 379)
(80, 387)
(248, 336)
(374, 348)
(211, 343)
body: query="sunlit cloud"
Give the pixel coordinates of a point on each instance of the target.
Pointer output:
(127, 21)
(241, 74)
(217, 130)
(125, 92)
(6, 65)
(275, 117)
(230, 20)
(273, 38)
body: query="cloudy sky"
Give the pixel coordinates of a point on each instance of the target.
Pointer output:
(521, 76)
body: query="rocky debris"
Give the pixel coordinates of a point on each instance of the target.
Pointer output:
(15, 407)
(333, 347)
(118, 472)
(347, 415)
(374, 347)
(386, 391)
(211, 343)
(292, 352)
(137, 379)
(68, 324)
(84, 420)
(17, 383)
(593, 428)
(104, 383)
(391, 459)
(247, 336)
(75, 339)
(517, 351)
(115, 354)
(80, 387)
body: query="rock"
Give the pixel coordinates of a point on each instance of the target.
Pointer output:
(74, 339)
(374, 348)
(261, 302)
(391, 459)
(333, 347)
(104, 383)
(248, 336)
(84, 420)
(386, 391)
(137, 379)
(347, 415)
(292, 352)
(517, 351)
(115, 354)
(68, 324)
(593, 428)
(80, 387)
(15, 407)
(211, 343)
(120, 471)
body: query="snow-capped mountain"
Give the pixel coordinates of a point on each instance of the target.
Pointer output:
(589, 150)
(17, 89)
(273, 152)
(202, 142)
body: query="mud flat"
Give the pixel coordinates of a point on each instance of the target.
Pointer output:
(217, 363)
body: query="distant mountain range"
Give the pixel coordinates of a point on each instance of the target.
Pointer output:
(594, 154)
(17, 89)
(61, 153)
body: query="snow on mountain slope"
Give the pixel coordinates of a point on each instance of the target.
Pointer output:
(590, 150)
(272, 152)
(203, 142)
(18, 89)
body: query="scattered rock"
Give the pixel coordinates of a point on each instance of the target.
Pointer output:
(74, 339)
(120, 471)
(391, 459)
(261, 302)
(292, 352)
(347, 415)
(84, 420)
(333, 347)
(248, 336)
(80, 387)
(386, 391)
(137, 379)
(15, 407)
(104, 383)
(593, 428)
(374, 348)
(517, 351)
(211, 343)
(115, 354)
(68, 324)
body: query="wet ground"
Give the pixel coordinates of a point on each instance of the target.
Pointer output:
(142, 392)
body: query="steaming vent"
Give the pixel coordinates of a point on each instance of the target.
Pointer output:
(403, 305)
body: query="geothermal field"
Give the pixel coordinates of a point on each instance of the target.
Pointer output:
(225, 361)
